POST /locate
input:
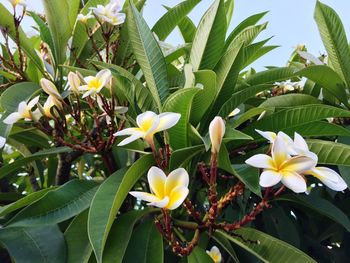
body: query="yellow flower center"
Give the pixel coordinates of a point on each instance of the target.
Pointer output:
(27, 114)
(94, 84)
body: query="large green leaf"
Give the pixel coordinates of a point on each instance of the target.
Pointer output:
(199, 255)
(270, 76)
(108, 200)
(224, 243)
(328, 79)
(120, 235)
(267, 248)
(77, 240)
(317, 128)
(289, 118)
(59, 26)
(187, 29)
(180, 156)
(35, 244)
(146, 245)
(6, 21)
(209, 40)
(334, 38)
(180, 102)
(166, 24)
(57, 205)
(149, 55)
(11, 167)
(229, 7)
(319, 205)
(289, 100)
(330, 152)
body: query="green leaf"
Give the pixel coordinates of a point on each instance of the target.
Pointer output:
(146, 245)
(229, 6)
(77, 240)
(187, 29)
(334, 38)
(266, 248)
(4, 210)
(226, 245)
(180, 156)
(122, 227)
(11, 167)
(166, 24)
(35, 244)
(108, 200)
(328, 79)
(6, 21)
(330, 152)
(319, 205)
(180, 102)
(270, 76)
(13, 95)
(199, 255)
(209, 40)
(149, 55)
(296, 116)
(289, 100)
(318, 128)
(58, 205)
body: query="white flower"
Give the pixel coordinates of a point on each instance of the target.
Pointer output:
(84, 18)
(148, 124)
(14, 3)
(24, 112)
(74, 82)
(95, 84)
(271, 137)
(216, 133)
(282, 167)
(215, 254)
(47, 107)
(286, 85)
(109, 13)
(52, 91)
(2, 142)
(234, 112)
(166, 191)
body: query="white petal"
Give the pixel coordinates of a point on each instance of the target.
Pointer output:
(104, 76)
(298, 164)
(33, 102)
(88, 93)
(49, 87)
(260, 161)
(299, 142)
(162, 203)
(131, 138)
(127, 131)
(270, 136)
(22, 107)
(177, 197)
(178, 177)
(148, 122)
(74, 81)
(279, 151)
(13, 118)
(294, 181)
(83, 88)
(269, 178)
(2, 141)
(216, 133)
(156, 180)
(89, 79)
(330, 178)
(167, 120)
(144, 196)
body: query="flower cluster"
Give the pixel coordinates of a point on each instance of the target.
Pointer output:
(289, 163)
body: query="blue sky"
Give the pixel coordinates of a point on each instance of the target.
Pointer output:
(290, 22)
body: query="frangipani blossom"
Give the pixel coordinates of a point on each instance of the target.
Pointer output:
(47, 107)
(51, 90)
(74, 82)
(109, 13)
(2, 142)
(271, 137)
(215, 254)
(14, 3)
(84, 18)
(327, 176)
(282, 167)
(148, 124)
(24, 112)
(234, 112)
(95, 84)
(167, 191)
(216, 133)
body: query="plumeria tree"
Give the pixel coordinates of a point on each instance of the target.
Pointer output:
(119, 147)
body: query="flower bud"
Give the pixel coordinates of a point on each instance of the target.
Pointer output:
(216, 133)
(74, 82)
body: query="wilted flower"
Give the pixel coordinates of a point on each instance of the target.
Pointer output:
(95, 84)
(215, 254)
(84, 18)
(148, 124)
(52, 91)
(74, 82)
(216, 133)
(282, 167)
(24, 112)
(14, 3)
(167, 191)
(2, 142)
(110, 13)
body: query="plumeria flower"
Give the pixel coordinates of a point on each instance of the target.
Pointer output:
(167, 191)
(51, 90)
(14, 3)
(327, 176)
(110, 13)
(74, 82)
(24, 112)
(285, 85)
(234, 112)
(84, 18)
(282, 167)
(148, 124)
(216, 133)
(47, 107)
(2, 142)
(215, 254)
(95, 84)
(271, 137)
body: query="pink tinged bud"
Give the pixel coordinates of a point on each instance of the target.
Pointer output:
(216, 133)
